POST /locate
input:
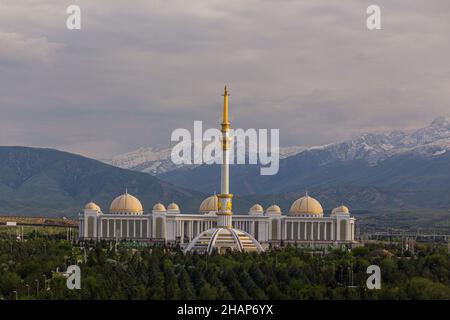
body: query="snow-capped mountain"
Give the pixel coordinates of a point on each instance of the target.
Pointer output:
(151, 160)
(156, 160)
(286, 152)
(430, 141)
(396, 169)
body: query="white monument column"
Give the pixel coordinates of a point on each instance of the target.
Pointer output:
(225, 213)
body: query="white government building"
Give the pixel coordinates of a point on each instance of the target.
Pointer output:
(215, 227)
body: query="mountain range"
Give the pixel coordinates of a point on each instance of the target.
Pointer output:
(47, 182)
(156, 160)
(395, 170)
(376, 172)
(430, 141)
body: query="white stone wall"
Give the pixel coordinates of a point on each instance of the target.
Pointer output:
(184, 227)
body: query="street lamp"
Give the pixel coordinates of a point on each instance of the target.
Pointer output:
(16, 294)
(28, 290)
(349, 276)
(342, 275)
(45, 282)
(37, 287)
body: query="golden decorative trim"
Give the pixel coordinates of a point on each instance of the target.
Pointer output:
(228, 195)
(224, 213)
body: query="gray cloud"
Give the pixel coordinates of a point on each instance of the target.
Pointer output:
(136, 71)
(15, 49)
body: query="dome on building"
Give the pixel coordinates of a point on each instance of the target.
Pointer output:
(92, 206)
(126, 204)
(223, 240)
(209, 204)
(173, 207)
(306, 206)
(341, 209)
(257, 208)
(159, 207)
(274, 209)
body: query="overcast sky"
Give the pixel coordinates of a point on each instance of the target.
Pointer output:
(139, 69)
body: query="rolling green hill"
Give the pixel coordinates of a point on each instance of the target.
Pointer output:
(48, 182)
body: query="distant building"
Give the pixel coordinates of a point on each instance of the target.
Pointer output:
(215, 227)
(303, 224)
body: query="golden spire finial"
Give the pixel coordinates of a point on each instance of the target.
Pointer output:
(225, 107)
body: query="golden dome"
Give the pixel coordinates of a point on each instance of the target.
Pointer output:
(209, 204)
(92, 206)
(274, 209)
(126, 203)
(340, 209)
(159, 207)
(257, 208)
(173, 206)
(306, 205)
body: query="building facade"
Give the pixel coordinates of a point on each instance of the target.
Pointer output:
(303, 224)
(215, 227)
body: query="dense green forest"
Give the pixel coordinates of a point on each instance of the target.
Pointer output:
(28, 272)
